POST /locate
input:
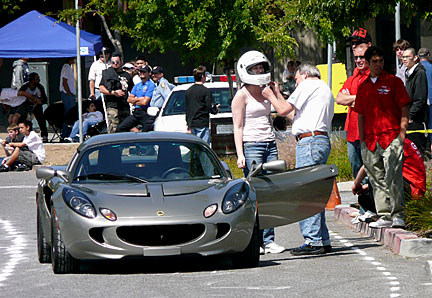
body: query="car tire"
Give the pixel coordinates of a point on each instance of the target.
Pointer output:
(62, 262)
(44, 250)
(250, 256)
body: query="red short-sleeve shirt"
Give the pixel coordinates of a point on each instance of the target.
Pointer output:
(380, 103)
(414, 169)
(350, 87)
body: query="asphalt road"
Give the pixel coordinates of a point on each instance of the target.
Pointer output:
(358, 267)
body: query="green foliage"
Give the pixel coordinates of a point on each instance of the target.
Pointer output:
(10, 6)
(339, 157)
(419, 214)
(231, 161)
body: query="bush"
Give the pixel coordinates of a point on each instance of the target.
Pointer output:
(339, 157)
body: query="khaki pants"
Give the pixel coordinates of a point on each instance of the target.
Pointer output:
(384, 168)
(115, 117)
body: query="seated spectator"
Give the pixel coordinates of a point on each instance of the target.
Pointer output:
(14, 136)
(90, 118)
(29, 152)
(33, 87)
(17, 104)
(414, 175)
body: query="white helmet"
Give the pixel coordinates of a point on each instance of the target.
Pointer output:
(249, 60)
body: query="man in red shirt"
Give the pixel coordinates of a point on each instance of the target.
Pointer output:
(383, 107)
(347, 97)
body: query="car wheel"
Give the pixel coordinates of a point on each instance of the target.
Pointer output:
(44, 250)
(251, 255)
(62, 261)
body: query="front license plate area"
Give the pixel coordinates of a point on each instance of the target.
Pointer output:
(164, 251)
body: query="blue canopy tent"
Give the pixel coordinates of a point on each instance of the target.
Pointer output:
(35, 35)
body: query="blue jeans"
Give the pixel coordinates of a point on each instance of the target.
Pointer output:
(68, 103)
(354, 156)
(260, 152)
(203, 133)
(312, 151)
(86, 124)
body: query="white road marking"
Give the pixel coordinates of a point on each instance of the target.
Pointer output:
(393, 283)
(18, 243)
(18, 186)
(269, 288)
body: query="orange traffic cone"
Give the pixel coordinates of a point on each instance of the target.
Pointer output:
(335, 198)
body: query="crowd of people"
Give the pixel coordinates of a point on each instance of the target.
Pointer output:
(387, 121)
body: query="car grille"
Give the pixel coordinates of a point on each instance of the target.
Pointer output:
(160, 235)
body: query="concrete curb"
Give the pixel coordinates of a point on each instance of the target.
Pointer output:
(399, 241)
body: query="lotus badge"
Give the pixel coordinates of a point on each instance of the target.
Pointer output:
(160, 213)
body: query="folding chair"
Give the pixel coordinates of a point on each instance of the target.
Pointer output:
(54, 114)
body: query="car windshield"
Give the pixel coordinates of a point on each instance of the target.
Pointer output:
(147, 162)
(176, 102)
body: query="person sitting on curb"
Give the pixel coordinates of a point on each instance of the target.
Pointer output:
(14, 136)
(90, 118)
(414, 175)
(29, 152)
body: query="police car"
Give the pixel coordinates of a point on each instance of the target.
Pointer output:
(172, 115)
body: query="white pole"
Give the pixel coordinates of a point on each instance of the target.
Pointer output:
(329, 64)
(397, 27)
(79, 87)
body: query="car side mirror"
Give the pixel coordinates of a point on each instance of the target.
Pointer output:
(47, 173)
(274, 166)
(227, 169)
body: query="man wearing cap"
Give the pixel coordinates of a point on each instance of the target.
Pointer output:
(424, 55)
(360, 37)
(95, 73)
(163, 87)
(140, 97)
(116, 85)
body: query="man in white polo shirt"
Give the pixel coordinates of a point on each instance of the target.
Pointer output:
(313, 104)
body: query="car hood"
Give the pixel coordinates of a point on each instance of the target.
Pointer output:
(147, 200)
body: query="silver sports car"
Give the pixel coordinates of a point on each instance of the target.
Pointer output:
(161, 194)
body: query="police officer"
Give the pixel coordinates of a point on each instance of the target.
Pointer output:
(162, 89)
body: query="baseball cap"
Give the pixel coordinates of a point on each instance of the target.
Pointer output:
(128, 66)
(157, 69)
(145, 68)
(361, 35)
(423, 52)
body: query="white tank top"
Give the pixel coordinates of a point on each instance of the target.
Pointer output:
(257, 126)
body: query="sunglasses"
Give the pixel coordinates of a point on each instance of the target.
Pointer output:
(359, 57)
(116, 62)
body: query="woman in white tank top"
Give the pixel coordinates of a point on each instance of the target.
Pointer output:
(253, 135)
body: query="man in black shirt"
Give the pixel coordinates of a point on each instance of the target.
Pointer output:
(199, 103)
(116, 85)
(34, 88)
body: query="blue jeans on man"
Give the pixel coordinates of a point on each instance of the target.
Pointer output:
(312, 151)
(203, 133)
(260, 152)
(68, 103)
(85, 125)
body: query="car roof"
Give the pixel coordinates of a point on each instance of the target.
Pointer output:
(208, 85)
(140, 137)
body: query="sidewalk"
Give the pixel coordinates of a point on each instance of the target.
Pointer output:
(399, 241)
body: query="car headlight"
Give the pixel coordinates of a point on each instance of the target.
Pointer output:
(79, 202)
(235, 197)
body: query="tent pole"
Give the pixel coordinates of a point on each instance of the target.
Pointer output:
(79, 87)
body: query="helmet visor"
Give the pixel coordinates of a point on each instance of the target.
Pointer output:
(255, 69)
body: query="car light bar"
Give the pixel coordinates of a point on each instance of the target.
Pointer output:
(210, 78)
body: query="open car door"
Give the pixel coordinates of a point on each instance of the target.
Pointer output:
(293, 195)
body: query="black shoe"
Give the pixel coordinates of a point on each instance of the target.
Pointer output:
(22, 168)
(327, 249)
(44, 139)
(307, 249)
(3, 168)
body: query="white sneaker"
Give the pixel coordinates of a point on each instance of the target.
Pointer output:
(368, 216)
(262, 251)
(398, 223)
(355, 220)
(273, 248)
(381, 223)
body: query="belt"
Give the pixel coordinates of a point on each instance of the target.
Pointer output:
(310, 134)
